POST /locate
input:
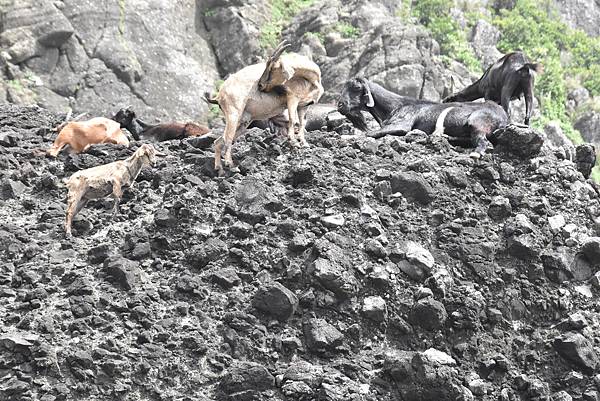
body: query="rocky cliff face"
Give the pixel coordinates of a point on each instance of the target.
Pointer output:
(98, 56)
(355, 269)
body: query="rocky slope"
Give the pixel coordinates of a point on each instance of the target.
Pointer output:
(355, 269)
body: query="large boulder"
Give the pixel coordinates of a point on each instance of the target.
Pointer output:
(518, 140)
(589, 126)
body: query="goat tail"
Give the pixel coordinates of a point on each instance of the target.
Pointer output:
(439, 124)
(210, 100)
(538, 68)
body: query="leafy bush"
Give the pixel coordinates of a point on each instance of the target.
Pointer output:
(282, 12)
(435, 16)
(347, 30)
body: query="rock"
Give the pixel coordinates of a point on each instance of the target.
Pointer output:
(164, 218)
(320, 336)
(99, 253)
(413, 187)
(124, 271)
(333, 221)
(274, 299)
(588, 124)
(561, 396)
(484, 38)
(226, 277)
(523, 142)
(578, 351)
(246, 380)
(398, 364)
(12, 189)
(556, 223)
(434, 357)
(585, 158)
(518, 225)
(334, 277)
(591, 250)
(499, 208)
(555, 135)
(375, 308)
(418, 261)
(429, 314)
(301, 174)
(203, 141)
(523, 247)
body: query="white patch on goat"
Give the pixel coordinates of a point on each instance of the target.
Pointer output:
(439, 124)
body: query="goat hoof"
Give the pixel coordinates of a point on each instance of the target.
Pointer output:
(304, 144)
(475, 155)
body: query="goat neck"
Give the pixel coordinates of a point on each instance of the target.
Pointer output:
(385, 102)
(134, 165)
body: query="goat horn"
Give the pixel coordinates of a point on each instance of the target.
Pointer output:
(279, 50)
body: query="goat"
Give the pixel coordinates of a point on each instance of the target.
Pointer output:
(505, 80)
(242, 102)
(106, 180)
(398, 115)
(159, 132)
(280, 69)
(81, 135)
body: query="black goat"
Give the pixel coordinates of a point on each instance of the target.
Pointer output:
(507, 79)
(397, 115)
(159, 132)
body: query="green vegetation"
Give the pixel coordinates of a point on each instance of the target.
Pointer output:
(319, 35)
(347, 30)
(282, 12)
(435, 16)
(209, 12)
(122, 16)
(16, 84)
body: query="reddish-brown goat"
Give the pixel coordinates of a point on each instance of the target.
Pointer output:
(81, 135)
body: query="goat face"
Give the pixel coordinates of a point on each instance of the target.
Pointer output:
(355, 96)
(124, 117)
(147, 153)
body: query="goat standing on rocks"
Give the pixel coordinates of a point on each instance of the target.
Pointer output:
(507, 79)
(242, 102)
(106, 180)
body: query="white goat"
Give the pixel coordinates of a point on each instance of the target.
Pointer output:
(106, 180)
(242, 102)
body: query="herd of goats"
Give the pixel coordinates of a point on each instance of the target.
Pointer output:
(278, 94)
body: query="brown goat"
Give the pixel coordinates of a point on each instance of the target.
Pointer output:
(159, 132)
(81, 135)
(106, 180)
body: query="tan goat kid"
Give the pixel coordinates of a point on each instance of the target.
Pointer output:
(81, 135)
(242, 102)
(106, 180)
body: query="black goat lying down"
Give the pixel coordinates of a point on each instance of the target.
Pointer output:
(159, 132)
(507, 79)
(397, 115)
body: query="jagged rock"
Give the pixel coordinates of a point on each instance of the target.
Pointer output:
(124, 271)
(413, 186)
(585, 158)
(518, 225)
(226, 277)
(301, 174)
(416, 261)
(523, 247)
(334, 277)
(589, 126)
(561, 396)
(333, 221)
(577, 350)
(321, 336)
(556, 223)
(428, 314)
(274, 299)
(245, 380)
(375, 308)
(12, 189)
(591, 250)
(523, 142)
(499, 208)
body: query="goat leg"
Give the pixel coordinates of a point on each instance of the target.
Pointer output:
(292, 106)
(507, 92)
(528, 102)
(302, 130)
(74, 206)
(117, 194)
